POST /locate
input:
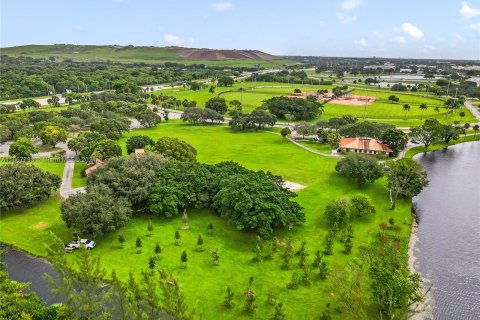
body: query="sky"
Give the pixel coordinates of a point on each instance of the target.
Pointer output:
(348, 28)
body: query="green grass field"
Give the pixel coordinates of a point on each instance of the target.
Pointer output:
(381, 110)
(203, 283)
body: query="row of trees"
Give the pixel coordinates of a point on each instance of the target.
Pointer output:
(294, 109)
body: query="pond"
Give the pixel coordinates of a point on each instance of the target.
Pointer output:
(447, 253)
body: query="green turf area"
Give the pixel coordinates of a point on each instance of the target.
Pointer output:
(45, 164)
(203, 283)
(324, 148)
(130, 54)
(78, 180)
(381, 110)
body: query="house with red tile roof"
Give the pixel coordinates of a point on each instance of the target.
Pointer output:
(364, 146)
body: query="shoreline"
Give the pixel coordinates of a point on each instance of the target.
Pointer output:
(425, 309)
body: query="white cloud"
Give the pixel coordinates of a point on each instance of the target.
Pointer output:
(345, 18)
(222, 6)
(172, 40)
(475, 26)
(361, 42)
(412, 31)
(351, 4)
(398, 39)
(469, 12)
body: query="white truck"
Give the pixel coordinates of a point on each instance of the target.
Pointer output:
(75, 244)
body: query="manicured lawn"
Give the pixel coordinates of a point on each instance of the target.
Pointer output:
(78, 180)
(325, 148)
(203, 283)
(382, 110)
(50, 166)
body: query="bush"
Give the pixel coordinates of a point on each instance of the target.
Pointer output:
(138, 142)
(337, 212)
(361, 206)
(359, 168)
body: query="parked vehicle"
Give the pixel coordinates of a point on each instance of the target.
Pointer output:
(75, 244)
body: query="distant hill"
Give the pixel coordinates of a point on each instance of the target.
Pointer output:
(146, 54)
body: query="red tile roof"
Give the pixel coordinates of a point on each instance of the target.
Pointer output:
(364, 144)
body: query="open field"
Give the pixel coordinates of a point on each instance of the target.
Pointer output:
(129, 54)
(381, 110)
(203, 283)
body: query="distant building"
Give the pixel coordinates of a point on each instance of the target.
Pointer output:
(89, 170)
(365, 146)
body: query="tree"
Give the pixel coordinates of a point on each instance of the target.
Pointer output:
(177, 238)
(279, 312)
(427, 133)
(77, 144)
(257, 201)
(300, 109)
(449, 133)
(475, 128)
(157, 250)
(52, 135)
(362, 169)
(22, 148)
(150, 227)
(121, 239)
(176, 149)
(184, 259)
(215, 257)
(128, 177)
(212, 89)
(5, 133)
(200, 243)
(138, 142)
(337, 212)
(235, 105)
(217, 104)
(102, 150)
(79, 281)
(405, 178)
(173, 299)
(250, 305)
(151, 263)
(364, 129)
(323, 270)
(304, 128)
(361, 206)
(228, 301)
(96, 212)
(393, 98)
(138, 244)
(148, 118)
(396, 139)
(23, 185)
(111, 128)
(423, 107)
(225, 81)
(54, 101)
(333, 139)
(406, 108)
(285, 132)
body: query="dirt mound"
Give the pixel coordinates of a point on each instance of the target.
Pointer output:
(213, 54)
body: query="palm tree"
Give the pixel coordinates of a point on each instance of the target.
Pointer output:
(475, 128)
(423, 107)
(406, 108)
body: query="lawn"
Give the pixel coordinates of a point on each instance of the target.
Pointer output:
(203, 283)
(78, 180)
(381, 110)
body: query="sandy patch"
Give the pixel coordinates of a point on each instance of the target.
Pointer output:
(353, 100)
(40, 225)
(292, 186)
